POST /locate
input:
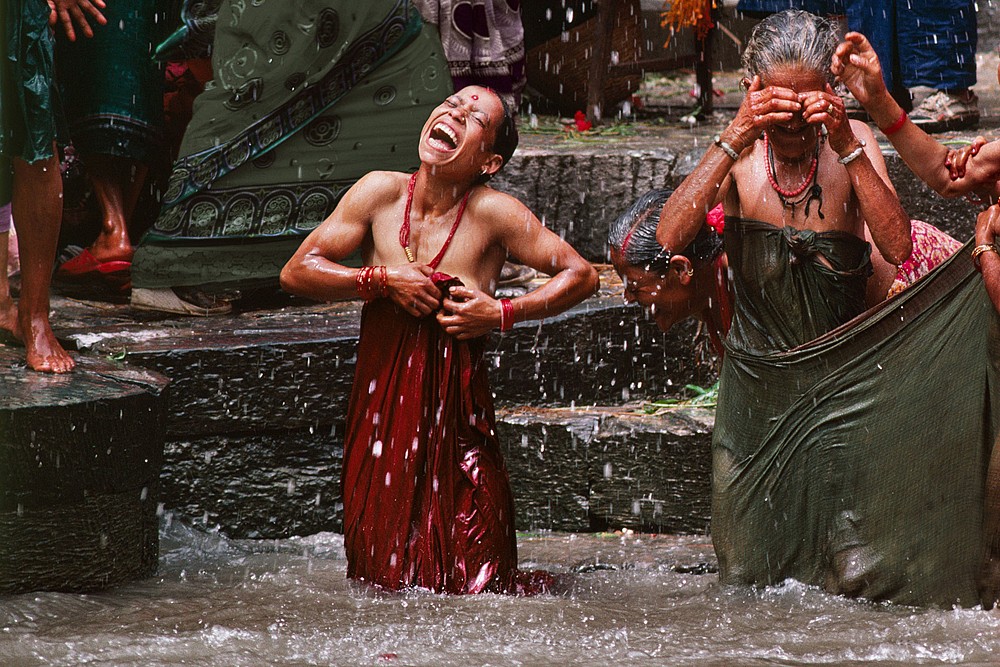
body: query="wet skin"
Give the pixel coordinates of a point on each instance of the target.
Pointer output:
(671, 296)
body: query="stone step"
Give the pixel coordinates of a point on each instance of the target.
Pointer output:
(292, 368)
(571, 470)
(609, 468)
(80, 460)
(257, 402)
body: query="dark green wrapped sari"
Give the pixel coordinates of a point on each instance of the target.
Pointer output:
(856, 461)
(28, 102)
(307, 97)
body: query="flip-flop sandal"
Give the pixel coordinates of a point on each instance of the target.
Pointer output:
(166, 300)
(80, 268)
(84, 265)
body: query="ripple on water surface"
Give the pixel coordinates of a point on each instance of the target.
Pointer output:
(626, 599)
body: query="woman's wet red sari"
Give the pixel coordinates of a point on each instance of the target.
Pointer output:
(427, 499)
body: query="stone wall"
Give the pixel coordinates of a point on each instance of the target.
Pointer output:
(601, 469)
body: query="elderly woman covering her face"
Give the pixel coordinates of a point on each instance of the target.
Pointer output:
(798, 182)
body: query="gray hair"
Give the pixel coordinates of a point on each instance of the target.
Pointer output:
(791, 38)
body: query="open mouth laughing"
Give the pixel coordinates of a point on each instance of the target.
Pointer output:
(442, 137)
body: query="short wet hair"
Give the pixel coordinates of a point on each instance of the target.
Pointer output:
(633, 234)
(791, 38)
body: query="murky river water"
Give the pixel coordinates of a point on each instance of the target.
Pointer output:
(636, 600)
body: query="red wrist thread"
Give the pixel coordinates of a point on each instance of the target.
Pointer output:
(895, 127)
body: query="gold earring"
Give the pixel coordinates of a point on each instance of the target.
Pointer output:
(690, 272)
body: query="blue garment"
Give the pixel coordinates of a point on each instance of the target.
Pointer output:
(920, 42)
(764, 7)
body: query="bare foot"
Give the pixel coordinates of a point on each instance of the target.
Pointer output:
(44, 353)
(8, 317)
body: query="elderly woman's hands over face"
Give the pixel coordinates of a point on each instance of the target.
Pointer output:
(825, 107)
(761, 108)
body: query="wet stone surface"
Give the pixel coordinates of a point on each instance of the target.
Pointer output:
(258, 399)
(80, 459)
(600, 469)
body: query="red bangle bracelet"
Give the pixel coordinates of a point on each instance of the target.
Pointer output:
(895, 127)
(368, 286)
(506, 315)
(359, 282)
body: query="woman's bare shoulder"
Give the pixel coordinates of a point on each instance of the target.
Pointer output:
(499, 206)
(381, 183)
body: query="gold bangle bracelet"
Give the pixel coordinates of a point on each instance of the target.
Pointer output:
(980, 249)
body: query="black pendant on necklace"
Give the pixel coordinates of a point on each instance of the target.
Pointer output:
(815, 192)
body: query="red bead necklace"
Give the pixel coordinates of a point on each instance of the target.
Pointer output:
(771, 172)
(404, 230)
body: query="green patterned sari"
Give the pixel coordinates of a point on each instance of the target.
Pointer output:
(307, 98)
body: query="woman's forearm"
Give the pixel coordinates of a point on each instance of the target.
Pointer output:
(684, 213)
(880, 208)
(921, 152)
(989, 265)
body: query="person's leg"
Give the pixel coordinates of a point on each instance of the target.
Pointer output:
(117, 182)
(37, 209)
(8, 311)
(937, 41)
